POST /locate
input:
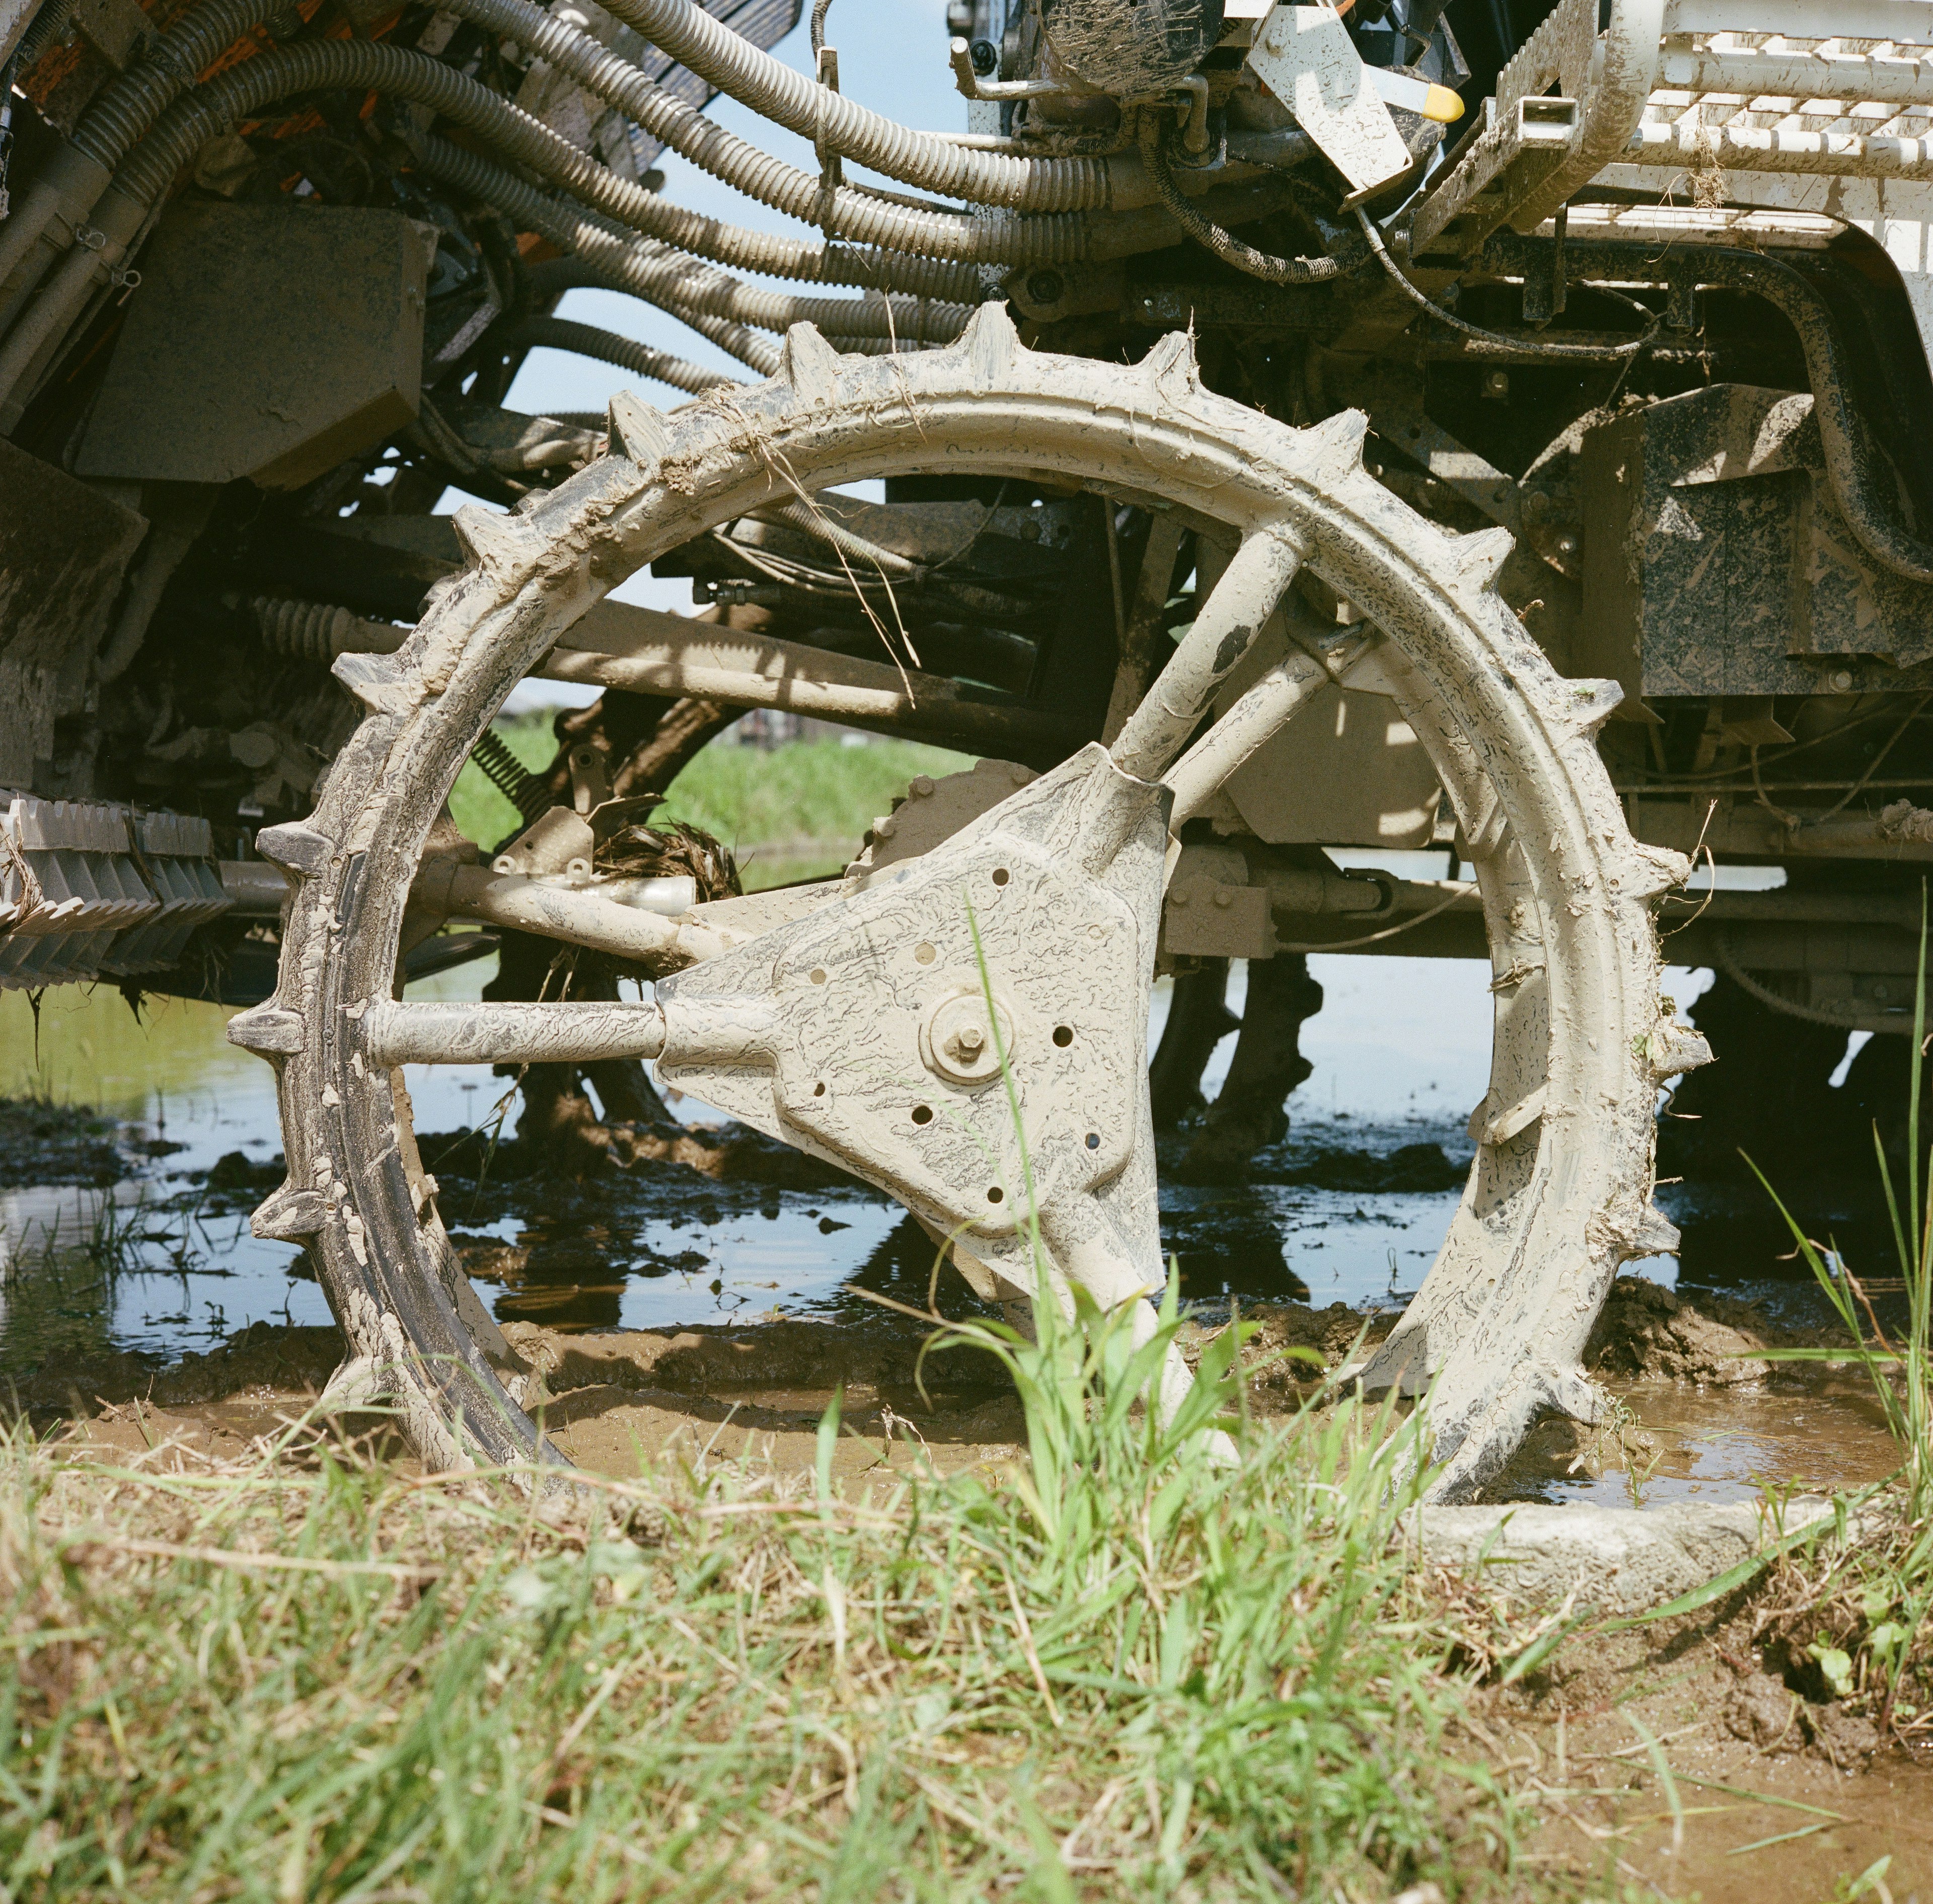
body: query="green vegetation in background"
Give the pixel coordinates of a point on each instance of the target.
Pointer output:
(1126, 1671)
(88, 1048)
(795, 811)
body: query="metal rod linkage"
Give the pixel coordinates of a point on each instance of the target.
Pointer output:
(486, 1033)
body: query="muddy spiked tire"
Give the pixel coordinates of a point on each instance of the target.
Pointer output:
(1559, 1196)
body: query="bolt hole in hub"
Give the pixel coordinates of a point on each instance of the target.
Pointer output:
(1558, 1194)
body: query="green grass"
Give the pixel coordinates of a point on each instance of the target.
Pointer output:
(1866, 1610)
(797, 812)
(1125, 1672)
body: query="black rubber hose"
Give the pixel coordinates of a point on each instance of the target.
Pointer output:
(1588, 353)
(1210, 236)
(1854, 469)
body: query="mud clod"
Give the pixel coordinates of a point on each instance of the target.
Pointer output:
(1764, 1712)
(1647, 1333)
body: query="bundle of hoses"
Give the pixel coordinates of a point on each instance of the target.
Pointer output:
(926, 254)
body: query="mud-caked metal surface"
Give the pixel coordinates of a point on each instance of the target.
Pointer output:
(1559, 1195)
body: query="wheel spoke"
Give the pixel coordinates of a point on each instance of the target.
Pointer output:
(396, 1034)
(1224, 629)
(1261, 712)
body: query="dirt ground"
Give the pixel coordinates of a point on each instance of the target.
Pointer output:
(618, 1400)
(1778, 1798)
(1772, 1794)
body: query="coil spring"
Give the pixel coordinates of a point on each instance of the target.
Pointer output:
(307, 631)
(510, 777)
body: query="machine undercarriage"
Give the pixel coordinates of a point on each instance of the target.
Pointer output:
(1417, 427)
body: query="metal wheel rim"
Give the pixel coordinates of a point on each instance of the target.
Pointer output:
(1553, 1207)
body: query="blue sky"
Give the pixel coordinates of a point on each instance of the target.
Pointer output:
(892, 57)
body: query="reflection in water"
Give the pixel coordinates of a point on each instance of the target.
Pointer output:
(1820, 1429)
(1400, 1052)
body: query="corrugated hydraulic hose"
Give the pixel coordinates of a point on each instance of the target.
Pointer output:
(588, 340)
(900, 319)
(715, 304)
(328, 65)
(776, 91)
(125, 110)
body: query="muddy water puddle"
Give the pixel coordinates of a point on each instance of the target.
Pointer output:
(146, 1247)
(162, 1261)
(1820, 1431)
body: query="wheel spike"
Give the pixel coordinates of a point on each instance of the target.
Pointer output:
(1657, 1235)
(290, 1215)
(811, 365)
(1475, 559)
(638, 432)
(1593, 702)
(1651, 871)
(1671, 1048)
(1171, 366)
(496, 544)
(358, 1383)
(1570, 1392)
(990, 344)
(376, 681)
(267, 1029)
(297, 848)
(1333, 448)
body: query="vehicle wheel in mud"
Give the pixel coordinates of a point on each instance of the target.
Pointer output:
(1558, 1194)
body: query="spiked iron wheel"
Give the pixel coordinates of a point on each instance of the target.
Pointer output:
(1558, 1195)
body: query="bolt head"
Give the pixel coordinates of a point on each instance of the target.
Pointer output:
(958, 1044)
(985, 56)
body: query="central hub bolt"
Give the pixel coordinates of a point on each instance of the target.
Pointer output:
(956, 1040)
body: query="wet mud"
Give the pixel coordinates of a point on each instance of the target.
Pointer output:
(1764, 1792)
(1693, 1413)
(48, 1143)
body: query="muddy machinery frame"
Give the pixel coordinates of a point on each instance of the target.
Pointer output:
(1263, 475)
